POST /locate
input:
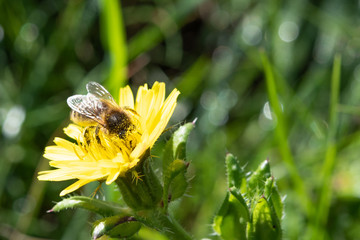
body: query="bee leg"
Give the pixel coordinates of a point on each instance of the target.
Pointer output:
(87, 135)
(98, 140)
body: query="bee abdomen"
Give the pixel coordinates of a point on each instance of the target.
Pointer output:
(81, 119)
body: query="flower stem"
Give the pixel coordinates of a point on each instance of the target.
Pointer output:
(172, 229)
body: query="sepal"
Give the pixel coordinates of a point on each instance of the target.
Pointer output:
(94, 205)
(144, 192)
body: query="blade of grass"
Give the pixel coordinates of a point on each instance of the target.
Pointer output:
(115, 41)
(353, 110)
(151, 35)
(193, 76)
(281, 135)
(330, 155)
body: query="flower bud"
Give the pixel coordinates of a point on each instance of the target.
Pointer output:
(142, 193)
(116, 227)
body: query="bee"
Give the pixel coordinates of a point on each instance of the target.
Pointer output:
(98, 109)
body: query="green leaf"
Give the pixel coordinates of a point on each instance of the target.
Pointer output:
(235, 173)
(273, 196)
(175, 182)
(115, 226)
(179, 140)
(231, 221)
(265, 224)
(178, 185)
(174, 165)
(244, 207)
(269, 183)
(94, 205)
(256, 181)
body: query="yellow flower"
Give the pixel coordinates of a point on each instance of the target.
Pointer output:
(96, 155)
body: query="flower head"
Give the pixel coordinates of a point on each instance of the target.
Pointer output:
(95, 154)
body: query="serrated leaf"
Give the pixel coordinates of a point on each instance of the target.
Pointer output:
(175, 182)
(231, 221)
(176, 147)
(234, 171)
(244, 207)
(257, 179)
(174, 165)
(273, 196)
(178, 186)
(269, 183)
(94, 205)
(277, 202)
(179, 140)
(265, 224)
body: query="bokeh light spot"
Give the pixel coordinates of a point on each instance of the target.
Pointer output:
(251, 34)
(29, 32)
(288, 31)
(13, 121)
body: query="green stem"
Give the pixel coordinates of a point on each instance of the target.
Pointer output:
(173, 229)
(164, 223)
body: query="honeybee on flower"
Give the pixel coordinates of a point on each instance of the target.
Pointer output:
(98, 110)
(110, 138)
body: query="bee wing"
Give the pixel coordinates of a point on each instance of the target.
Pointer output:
(99, 91)
(87, 105)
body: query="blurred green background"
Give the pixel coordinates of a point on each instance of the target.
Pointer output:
(215, 53)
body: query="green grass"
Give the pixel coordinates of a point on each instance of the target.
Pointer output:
(115, 40)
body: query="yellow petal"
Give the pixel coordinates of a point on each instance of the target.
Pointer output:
(73, 131)
(160, 121)
(74, 187)
(126, 97)
(55, 175)
(59, 153)
(113, 175)
(67, 145)
(139, 150)
(159, 93)
(143, 106)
